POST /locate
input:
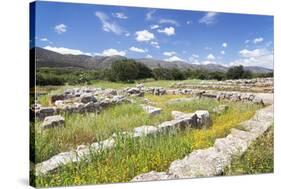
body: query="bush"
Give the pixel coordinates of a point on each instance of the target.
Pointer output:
(162, 74)
(238, 72)
(124, 70)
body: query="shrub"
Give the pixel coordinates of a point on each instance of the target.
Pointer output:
(124, 70)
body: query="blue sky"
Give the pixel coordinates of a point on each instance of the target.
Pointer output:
(191, 36)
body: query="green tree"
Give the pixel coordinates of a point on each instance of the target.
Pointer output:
(235, 72)
(162, 74)
(124, 70)
(143, 71)
(177, 74)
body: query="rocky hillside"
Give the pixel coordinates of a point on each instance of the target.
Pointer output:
(47, 58)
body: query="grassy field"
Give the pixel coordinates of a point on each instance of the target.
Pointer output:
(257, 159)
(131, 157)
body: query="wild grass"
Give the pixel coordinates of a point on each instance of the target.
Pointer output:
(91, 127)
(132, 157)
(257, 159)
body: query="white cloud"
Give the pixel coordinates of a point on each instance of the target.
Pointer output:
(168, 21)
(120, 15)
(63, 50)
(209, 18)
(148, 56)
(168, 31)
(169, 53)
(127, 34)
(154, 26)
(139, 50)
(44, 39)
(222, 52)
(60, 28)
(144, 35)
(211, 57)
(111, 52)
(257, 57)
(252, 53)
(149, 14)
(224, 45)
(173, 58)
(108, 25)
(208, 62)
(189, 22)
(258, 40)
(155, 44)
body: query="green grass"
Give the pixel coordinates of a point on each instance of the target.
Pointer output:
(132, 157)
(91, 127)
(257, 159)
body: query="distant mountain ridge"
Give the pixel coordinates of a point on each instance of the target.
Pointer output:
(47, 58)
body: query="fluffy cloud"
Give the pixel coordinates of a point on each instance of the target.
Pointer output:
(108, 25)
(154, 26)
(155, 44)
(144, 35)
(61, 28)
(139, 50)
(148, 56)
(63, 50)
(168, 31)
(168, 21)
(222, 52)
(211, 57)
(224, 45)
(111, 52)
(173, 58)
(120, 15)
(252, 53)
(209, 18)
(256, 57)
(170, 53)
(258, 40)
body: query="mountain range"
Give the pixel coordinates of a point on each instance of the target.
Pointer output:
(47, 58)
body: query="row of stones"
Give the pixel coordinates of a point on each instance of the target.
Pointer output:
(198, 119)
(213, 161)
(258, 82)
(229, 87)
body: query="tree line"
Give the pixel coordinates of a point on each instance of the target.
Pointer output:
(129, 70)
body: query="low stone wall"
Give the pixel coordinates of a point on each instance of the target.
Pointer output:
(258, 85)
(181, 120)
(82, 104)
(213, 161)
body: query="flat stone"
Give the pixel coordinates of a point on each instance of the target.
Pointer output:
(44, 112)
(144, 131)
(55, 162)
(52, 122)
(151, 176)
(199, 163)
(203, 118)
(87, 97)
(151, 110)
